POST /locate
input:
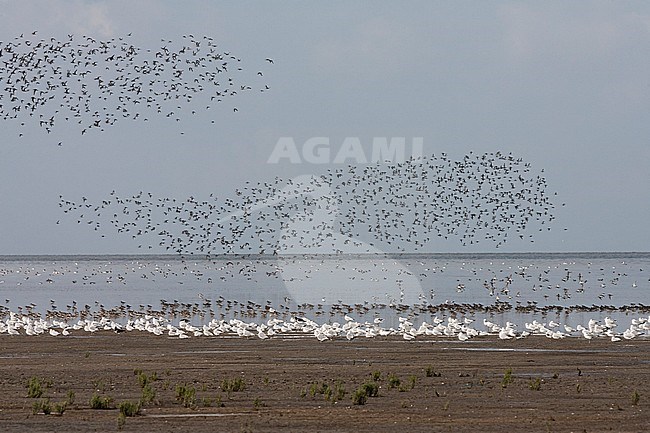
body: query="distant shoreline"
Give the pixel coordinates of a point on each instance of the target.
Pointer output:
(460, 256)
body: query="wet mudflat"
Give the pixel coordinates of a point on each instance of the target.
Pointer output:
(300, 384)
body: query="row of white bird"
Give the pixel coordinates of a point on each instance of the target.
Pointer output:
(462, 329)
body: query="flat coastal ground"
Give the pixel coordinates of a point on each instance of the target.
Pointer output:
(445, 385)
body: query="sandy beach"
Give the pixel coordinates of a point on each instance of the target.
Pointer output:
(300, 384)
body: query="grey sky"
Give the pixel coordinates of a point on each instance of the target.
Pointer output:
(565, 85)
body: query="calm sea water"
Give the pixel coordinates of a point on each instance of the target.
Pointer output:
(311, 284)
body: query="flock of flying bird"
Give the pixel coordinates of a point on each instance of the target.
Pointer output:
(91, 84)
(395, 206)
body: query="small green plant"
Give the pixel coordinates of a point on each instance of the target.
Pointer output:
(144, 379)
(393, 381)
(233, 385)
(266, 380)
(507, 378)
(34, 387)
(70, 396)
(446, 405)
(331, 393)
(408, 386)
(129, 408)
(339, 391)
(100, 402)
(430, 372)
(327, 392)
(359, 397)
(535, 384)
(59, 408)
(635, 397)
(46, 406)
(376, 375)
(371, 389)
(148, 394)
(258, 403)
(186, 395)
(43, 405)
(318, 388)
(121, 420)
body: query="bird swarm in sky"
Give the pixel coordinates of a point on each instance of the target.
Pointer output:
(92, 83)
(401, 206)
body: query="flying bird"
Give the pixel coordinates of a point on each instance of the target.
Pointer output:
(94, 84)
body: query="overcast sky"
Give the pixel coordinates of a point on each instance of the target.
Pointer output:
(564, 85)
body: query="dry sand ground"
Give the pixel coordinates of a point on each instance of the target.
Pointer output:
(585, 385)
